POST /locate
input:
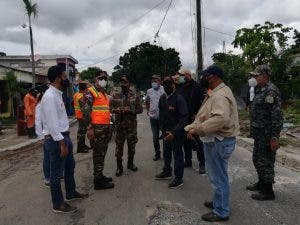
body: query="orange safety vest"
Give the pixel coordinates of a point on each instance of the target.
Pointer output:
(78, 112)
(100, 112)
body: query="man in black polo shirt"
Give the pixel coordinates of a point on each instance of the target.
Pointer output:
(173, 116)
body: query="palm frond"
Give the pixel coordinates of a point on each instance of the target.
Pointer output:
(31, 8)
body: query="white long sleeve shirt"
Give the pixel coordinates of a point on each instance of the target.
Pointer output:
(55, 119)
(38, 122)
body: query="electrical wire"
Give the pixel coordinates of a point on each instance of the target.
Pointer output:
(157, 33)
(110, 57)
(128, 25)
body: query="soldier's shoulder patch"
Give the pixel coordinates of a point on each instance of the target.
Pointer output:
(269, 99)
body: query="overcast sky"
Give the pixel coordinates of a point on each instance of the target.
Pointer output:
(93, 30)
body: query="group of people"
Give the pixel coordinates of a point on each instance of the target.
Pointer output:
(185, 114)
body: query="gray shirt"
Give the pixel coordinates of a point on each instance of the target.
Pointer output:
(153, 96)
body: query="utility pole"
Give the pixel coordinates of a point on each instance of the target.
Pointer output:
(199, 39)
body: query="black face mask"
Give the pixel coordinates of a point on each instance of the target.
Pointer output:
(124, 87)
(204, 83)
(65, 83)
(168, 89)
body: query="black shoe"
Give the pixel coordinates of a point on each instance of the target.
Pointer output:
(101, 184)
(77, 196)
(130, 164)
(255, 187)
(188, 164)
(261, 196)
(202, 170)
(107, 179)
(209, 204)
(175, 184)
(157, 157)
(65, 208)
(163, 176)
(132, 167)
(212, 217)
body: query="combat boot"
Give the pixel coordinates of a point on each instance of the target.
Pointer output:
(119, 168)
(130, 164)
(255, 187)
(265, 194)
(102, 183)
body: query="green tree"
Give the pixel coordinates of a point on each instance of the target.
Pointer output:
(261, 42)
(31, 10)
(12, 87)
(235, 69)
(144, 60)
(90, 73)
(296, 38)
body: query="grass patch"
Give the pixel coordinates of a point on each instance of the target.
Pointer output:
(243, 114)
(292, 113)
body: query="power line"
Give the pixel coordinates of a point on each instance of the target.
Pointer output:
(156, 35)
(109, 58)
(128, 25)
(220, 32)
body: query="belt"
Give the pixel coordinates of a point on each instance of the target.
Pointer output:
(66, 133)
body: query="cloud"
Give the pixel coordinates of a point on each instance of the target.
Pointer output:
(99, 31)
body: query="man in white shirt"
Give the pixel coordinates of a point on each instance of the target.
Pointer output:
(58, 141)
(152, 99)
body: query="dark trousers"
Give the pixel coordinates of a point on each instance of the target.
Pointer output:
(197, 145)
(46, 163)
(176, 147)
(155, 134)
(56, 163)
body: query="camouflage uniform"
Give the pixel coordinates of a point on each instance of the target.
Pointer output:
(266, 123)
(100, 143)
(81, 133)
(126, 123)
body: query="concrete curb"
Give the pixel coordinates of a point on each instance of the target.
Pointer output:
(284, 157)
(25, 146)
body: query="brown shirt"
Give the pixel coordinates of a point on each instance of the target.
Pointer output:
(218, 114)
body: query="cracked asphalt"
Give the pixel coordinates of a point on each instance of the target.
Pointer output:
(139, 199)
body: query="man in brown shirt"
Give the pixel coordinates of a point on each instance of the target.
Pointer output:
(217, 125)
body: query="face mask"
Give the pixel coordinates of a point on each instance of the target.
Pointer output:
(168, 89)
(252, 82)
(102, 83)
(181, 80)
(154, 85)
(65, 83)
(204, 83)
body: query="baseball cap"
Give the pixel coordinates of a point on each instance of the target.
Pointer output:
(261, 69)
(213, 70)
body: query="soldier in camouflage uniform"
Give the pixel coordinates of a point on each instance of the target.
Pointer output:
(126, 104)
(95, 108)
(266, 124)
(81, 147)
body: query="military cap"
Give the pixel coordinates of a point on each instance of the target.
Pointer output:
(261, 69)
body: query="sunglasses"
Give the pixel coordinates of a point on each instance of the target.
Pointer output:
(102, 78)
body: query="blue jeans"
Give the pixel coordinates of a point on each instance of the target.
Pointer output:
(216, 155)
(176, 147)
(155, 133)
(56, 163)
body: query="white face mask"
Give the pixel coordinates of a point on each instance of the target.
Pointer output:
(102, 83)
(252, 82)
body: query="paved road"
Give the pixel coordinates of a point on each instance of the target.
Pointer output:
(138, 199)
